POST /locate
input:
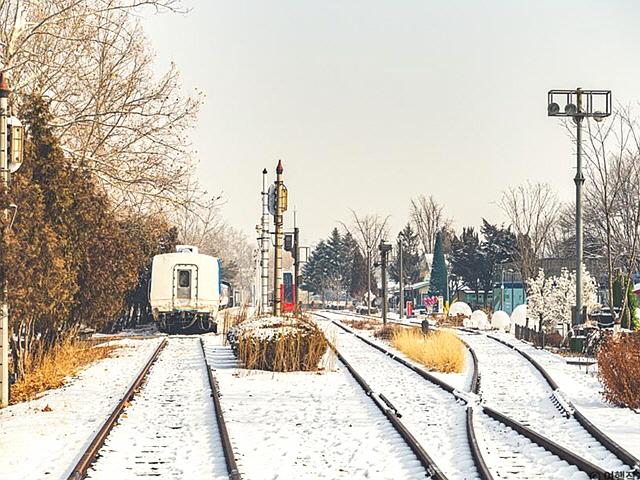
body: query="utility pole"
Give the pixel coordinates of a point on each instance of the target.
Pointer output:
(368, 280)
(384, 248)
(281, 206)
(296, 262)
(401, 282)
(4, 308)
(579, 181)
(264, 247)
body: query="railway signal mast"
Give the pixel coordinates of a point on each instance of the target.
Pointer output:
(264, 247)
(11, 152)
(280, 200)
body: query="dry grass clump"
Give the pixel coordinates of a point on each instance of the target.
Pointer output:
(386, 332)
(50, 369)
(278, 344)
(362, 324)
(233, 317)
(440, 350)
(619, 369)
(452, 321)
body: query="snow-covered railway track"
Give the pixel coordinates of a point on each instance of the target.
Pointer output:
(435, 419)
(502, 447)
(513, 384)
(572, 414)
(166, 426)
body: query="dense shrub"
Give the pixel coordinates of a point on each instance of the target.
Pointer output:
(278, 344)
(619, 369)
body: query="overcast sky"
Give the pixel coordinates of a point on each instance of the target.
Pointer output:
(372, 102)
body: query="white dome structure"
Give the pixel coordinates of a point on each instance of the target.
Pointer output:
(500, 321)
(519, 315)
(480, 320)
(459, 308)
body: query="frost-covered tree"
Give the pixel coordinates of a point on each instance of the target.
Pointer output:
(551, 299)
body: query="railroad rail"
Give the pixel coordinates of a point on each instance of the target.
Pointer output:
(392, 414)
(229, 456)
(88, 457)
(559, 451)
(99, 448)
(624, 456)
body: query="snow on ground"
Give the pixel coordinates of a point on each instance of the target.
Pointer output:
(460, 381)
(306, 425)
(169, 430)
(513, 386)
(581, 386)
(37, 444)
(432, 415)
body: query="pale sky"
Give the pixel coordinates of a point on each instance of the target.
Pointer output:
(369, 102)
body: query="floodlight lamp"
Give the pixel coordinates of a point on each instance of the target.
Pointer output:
(570, 109)
(598, 116)
(553, 109)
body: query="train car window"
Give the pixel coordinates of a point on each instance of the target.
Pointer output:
(184, 278)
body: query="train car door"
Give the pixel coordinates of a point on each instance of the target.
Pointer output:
(185, 283)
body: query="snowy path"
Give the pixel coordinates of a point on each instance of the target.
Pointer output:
(432, 415)
(169, 430)
(38, 445)
(582, 387)
(512, 385)
(306, 425)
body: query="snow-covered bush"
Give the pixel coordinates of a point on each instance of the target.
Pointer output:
(479, 320)
(550, 299)
(279, 344)
(459, 308)
(500, 321)
(519, 316)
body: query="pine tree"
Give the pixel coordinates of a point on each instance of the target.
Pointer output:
(438, 280)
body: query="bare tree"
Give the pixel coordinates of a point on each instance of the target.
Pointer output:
(612, 195)
(532, 209)
(428, 218)
(112, 114)
(368, 231)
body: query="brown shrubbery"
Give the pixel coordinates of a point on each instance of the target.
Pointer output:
(619, 369)
(278, 344)
(49, 368)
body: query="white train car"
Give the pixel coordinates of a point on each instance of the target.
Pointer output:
(185, 290)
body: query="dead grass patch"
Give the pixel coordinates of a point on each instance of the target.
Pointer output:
(50, 369)
(278, 344)
(362, 324)
(387, 331)
(440, 350)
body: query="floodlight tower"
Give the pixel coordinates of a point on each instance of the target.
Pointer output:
(579, 104)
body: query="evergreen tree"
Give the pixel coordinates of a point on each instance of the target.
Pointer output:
(466, 260)
(438, 280)
(410, 257)
(497, 248)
